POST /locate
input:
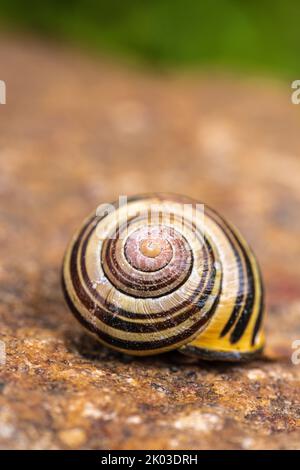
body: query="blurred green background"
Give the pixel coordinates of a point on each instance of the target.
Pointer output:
(245, 36)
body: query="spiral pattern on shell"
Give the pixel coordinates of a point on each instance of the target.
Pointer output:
(161, 273)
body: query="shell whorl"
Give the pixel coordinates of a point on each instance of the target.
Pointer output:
(150, 277)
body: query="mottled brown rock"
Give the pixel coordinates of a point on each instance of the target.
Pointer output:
(76, 132)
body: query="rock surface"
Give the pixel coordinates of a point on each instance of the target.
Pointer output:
(76, 132)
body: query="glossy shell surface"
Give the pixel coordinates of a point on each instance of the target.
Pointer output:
(164, 272)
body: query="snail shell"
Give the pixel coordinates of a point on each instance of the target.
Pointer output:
(163, 273)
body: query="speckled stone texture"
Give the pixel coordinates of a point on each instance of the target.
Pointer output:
(78, 131)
